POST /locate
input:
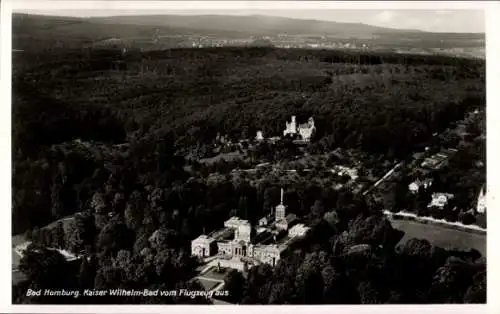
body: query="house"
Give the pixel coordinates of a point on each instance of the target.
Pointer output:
(260, 136)
(481, 201)
(342, 171)
(298, 230)
(440, 200)
(417, 184)
(203, 246)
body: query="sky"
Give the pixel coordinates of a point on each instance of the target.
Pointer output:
(468, 20)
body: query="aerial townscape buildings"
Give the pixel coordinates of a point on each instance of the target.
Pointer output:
(263, 243)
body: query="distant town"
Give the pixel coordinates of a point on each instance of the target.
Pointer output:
(473, 49)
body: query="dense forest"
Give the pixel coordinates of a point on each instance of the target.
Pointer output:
(102, 137)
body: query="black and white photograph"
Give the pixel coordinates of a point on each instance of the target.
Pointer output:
(248, 155)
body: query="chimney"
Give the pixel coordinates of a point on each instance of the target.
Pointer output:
(281, 196)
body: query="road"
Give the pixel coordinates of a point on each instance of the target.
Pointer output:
(387, 175)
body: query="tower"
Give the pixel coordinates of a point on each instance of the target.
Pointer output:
(280, 209)
(293, 124)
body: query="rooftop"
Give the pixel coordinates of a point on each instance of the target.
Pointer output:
(235, 221)
(222, 234)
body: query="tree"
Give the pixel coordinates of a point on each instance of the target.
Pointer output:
(43, 268)
(368, 293)
(318, 209)
(234, 284)
(476, 293)
(114, 237)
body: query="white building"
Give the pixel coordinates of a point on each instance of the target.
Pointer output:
(440, 200)
(260, 136)
(343, 170)
(203, 246)
(305, 130)
(269, 254)
(415, 185)
(298, 230)
(481, 201)
(239, 241)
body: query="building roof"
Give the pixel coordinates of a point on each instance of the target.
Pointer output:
(203, 239)
(299, 226)
(235, 221)
(222, 234)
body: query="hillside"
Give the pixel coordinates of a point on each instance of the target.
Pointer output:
(157, 32)
(254, 25)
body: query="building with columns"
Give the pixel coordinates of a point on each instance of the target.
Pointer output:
(263, 244)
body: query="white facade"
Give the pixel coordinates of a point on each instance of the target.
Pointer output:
(298, 230)
(291, 127)
(481, 201)
(243, 232)
(440, 200)
(202, 246)
(305, 130)
(415, 185)
(269, 254)
(260, 136)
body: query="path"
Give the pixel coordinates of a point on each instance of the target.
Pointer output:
(388, 174)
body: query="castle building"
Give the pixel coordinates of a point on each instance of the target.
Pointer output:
(305, 130)
(264, 244)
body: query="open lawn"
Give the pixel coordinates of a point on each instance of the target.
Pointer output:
(441, 236)
(213, 274)
(208, 284)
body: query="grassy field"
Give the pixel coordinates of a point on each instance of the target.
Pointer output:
(208, 284)
(213, 274)
(441, 236)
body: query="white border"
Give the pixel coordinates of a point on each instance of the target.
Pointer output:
(493, 84)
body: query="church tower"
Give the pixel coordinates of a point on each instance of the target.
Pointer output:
(280, 209)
